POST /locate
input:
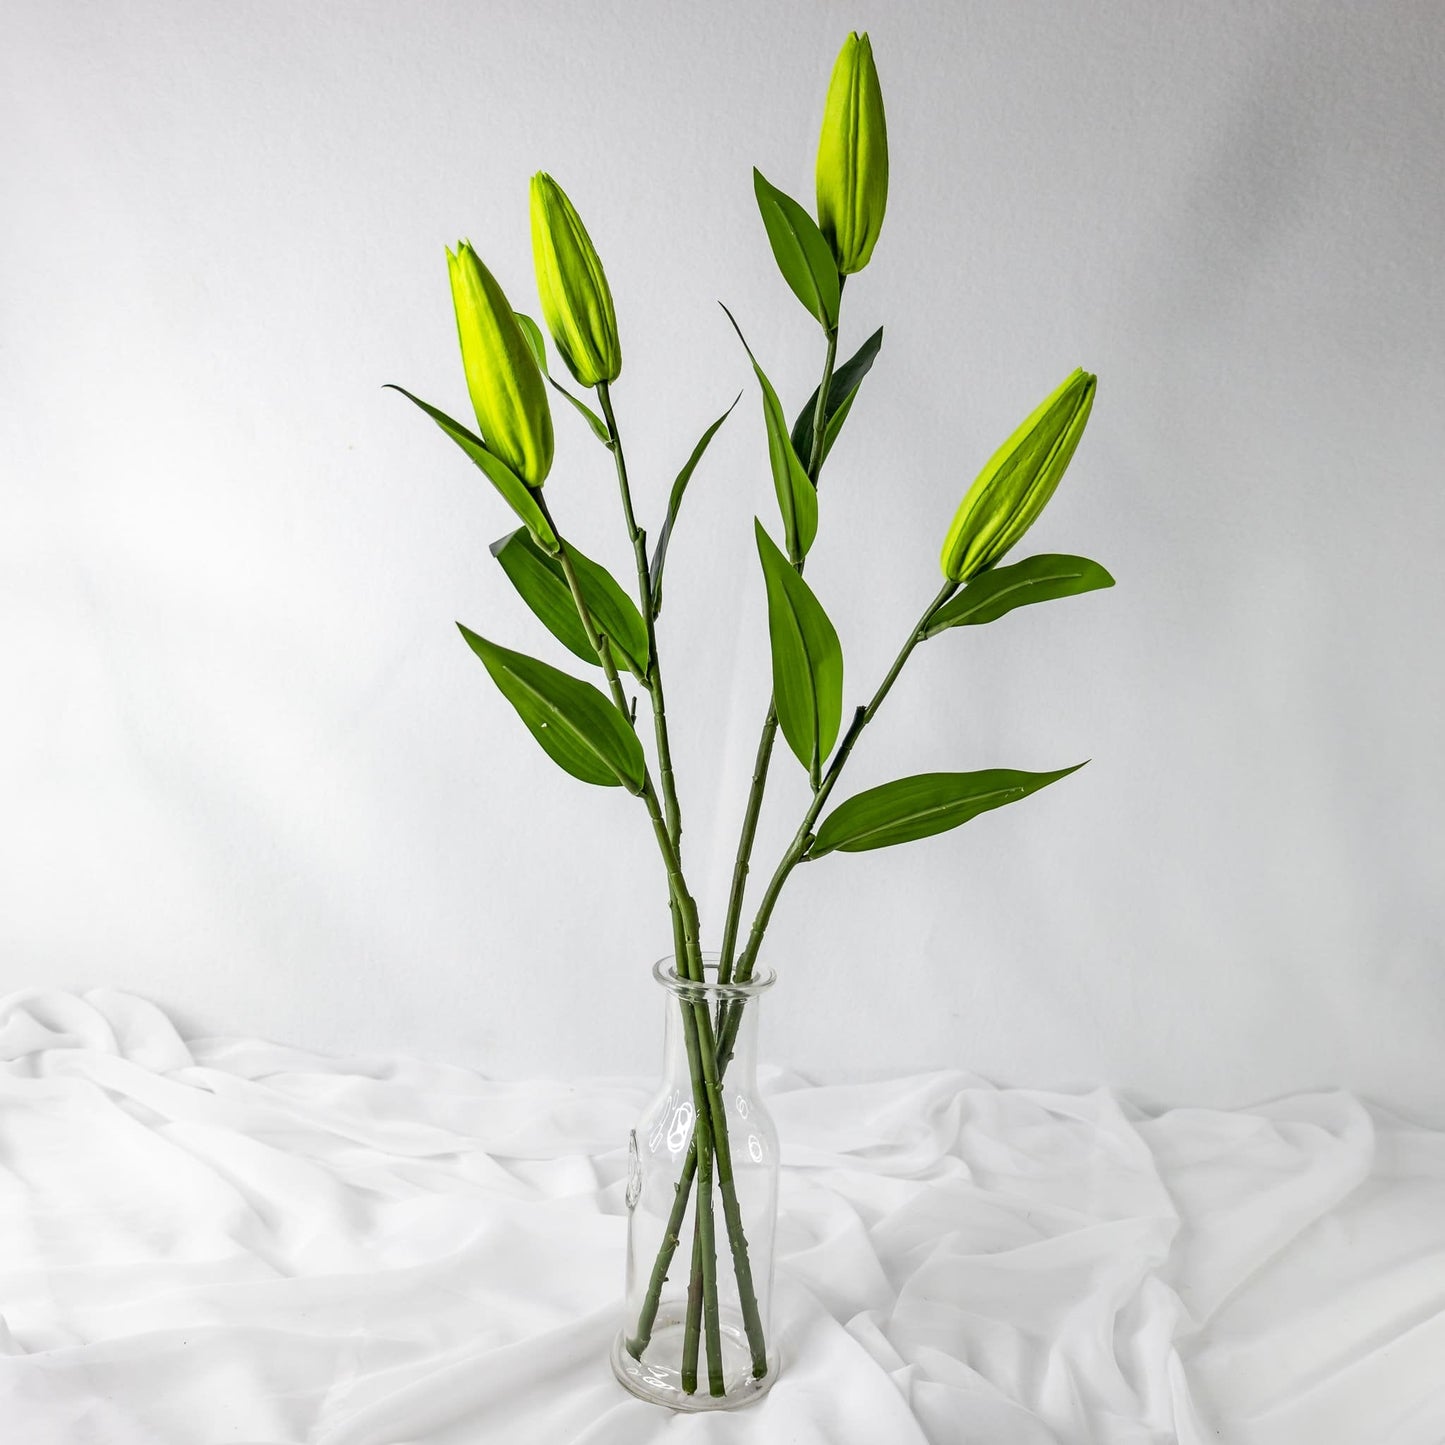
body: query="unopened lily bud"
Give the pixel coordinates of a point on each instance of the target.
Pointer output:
(576, 300)
(853, 157)
(507, 390)
(1014, 487)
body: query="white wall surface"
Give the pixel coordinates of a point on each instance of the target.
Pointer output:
(248, 769)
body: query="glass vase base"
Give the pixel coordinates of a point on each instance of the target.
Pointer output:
(657, 1376)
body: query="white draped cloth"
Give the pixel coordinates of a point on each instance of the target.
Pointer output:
(226, 1240)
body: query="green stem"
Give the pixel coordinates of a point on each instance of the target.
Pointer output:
(705, 1255)
(702, 1292)
(732, 1212)
(711, 1134)
(804, 836)
(692, 1324)
(742, 861)
(709, 1141)
(763, 761)
(684, 909)
(647, 1315)
(721, 1151)
(584, 613)
(710, 1127)
(644, 598)
(820, 409)
(702, 1285)
(677, 885)
(729, 1017)
(702, 1289)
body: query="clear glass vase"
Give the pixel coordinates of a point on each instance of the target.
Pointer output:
(702, 1201)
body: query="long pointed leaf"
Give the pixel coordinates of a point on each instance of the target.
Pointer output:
(513, 489)
(674, 502)
(542, 585)
(999, 590)
(807, 660)
(803, 256)
(841, 390)
(835, 423)
(595, 422)
(538, 345)
(577, 726)
(922, 805)
(797, 496)
(536, 342)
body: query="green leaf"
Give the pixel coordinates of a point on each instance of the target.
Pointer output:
(1001, 589)
(531, 571)
(797, 496)
(538, 345)
(577, 726)
(514, 490)
(674, 502)
(599, 427)
(535, 340)
(807, 660)
(803, 256)
(542, 585)
(835, 424)
(841, 391)
(919, 806)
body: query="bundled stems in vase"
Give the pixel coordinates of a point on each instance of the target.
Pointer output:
(729, 1016)
(594, 735)
(710, 1141)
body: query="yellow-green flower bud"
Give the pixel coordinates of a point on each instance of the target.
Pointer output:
(853, 157)
(576, 301)
(1014, 487)
(507, 390)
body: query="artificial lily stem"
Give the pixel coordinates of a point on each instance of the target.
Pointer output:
(804, 836)
(584, 613)
(721, 1153)
(705, 1263)
(702, 1289)
(770, 723)
(728, 1019)
(745, 843)
(644, 599)
(687, 910)
(692, 1323)
(710, 1121)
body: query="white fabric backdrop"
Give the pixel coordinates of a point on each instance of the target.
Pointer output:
(231, 1241)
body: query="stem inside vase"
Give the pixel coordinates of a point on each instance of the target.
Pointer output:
(720, 1150)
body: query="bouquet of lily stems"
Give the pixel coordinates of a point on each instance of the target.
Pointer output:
(595, 735)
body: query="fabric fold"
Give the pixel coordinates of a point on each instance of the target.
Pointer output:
(231, 1240)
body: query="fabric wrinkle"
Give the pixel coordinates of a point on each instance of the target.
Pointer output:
(225, 1239)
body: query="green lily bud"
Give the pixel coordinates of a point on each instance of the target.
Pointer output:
(1014, 487)
(507, 390)
(853, 157)
(576, 300)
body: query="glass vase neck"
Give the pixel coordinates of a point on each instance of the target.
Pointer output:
(666, 972)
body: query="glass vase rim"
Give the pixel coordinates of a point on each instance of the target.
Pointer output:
(665, 972)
